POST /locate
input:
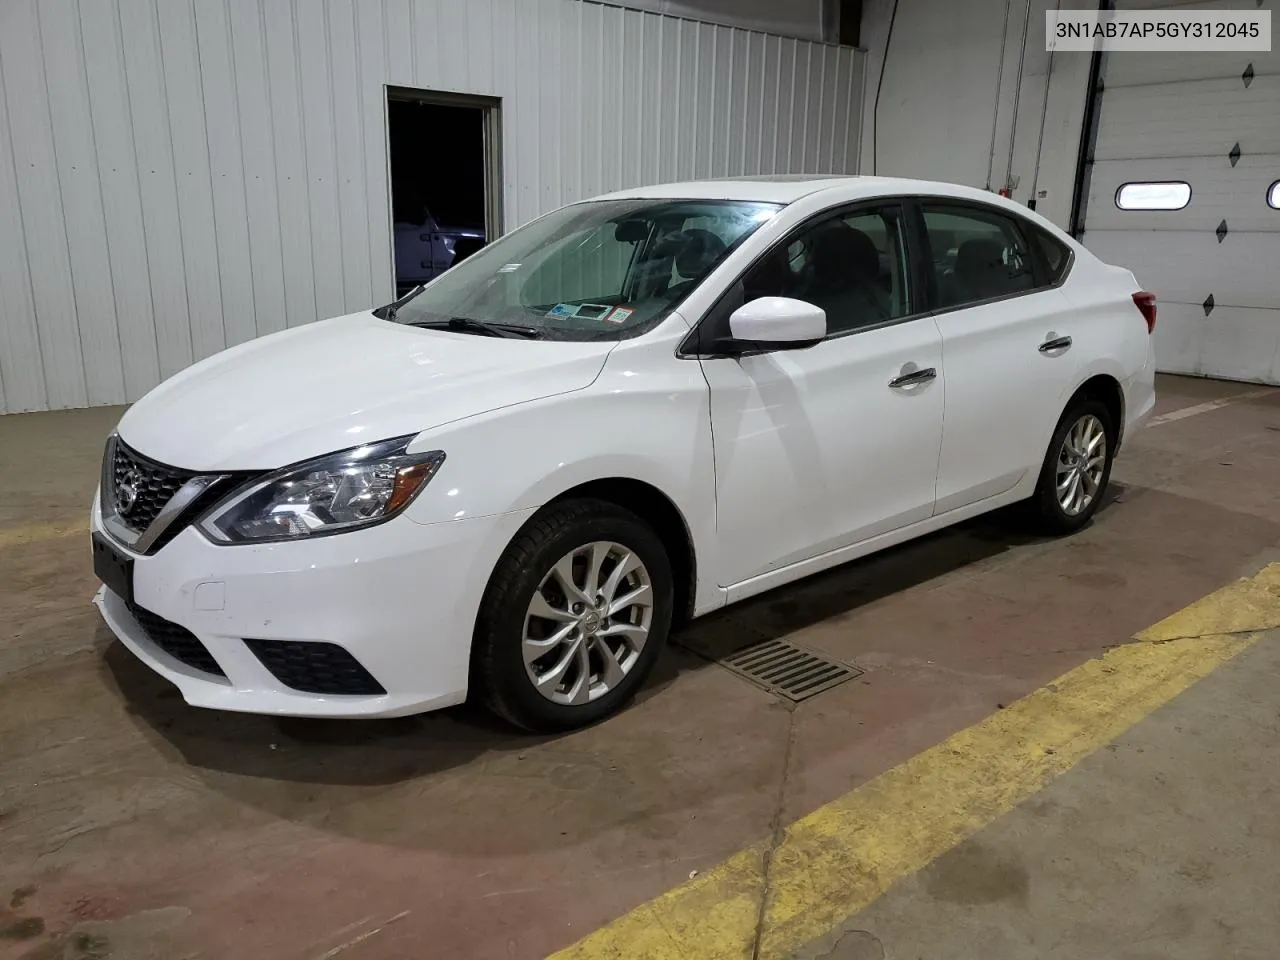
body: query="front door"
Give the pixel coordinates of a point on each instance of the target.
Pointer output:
(823, 447)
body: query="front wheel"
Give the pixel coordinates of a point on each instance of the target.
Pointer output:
(1076, 469)
(574, 617)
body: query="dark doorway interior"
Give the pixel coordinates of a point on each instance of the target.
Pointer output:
(438, 177)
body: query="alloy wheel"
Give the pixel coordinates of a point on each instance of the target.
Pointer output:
(587, 623)
(1082, 460)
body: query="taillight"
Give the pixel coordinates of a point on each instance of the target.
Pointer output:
(1146, 304)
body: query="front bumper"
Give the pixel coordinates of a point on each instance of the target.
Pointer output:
(400, 598)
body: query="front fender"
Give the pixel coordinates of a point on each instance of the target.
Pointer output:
(645, 418)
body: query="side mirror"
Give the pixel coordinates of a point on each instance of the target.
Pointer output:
(779, 323)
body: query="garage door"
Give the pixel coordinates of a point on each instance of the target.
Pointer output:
(1210, 121)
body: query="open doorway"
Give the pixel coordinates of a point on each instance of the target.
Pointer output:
(445, 175)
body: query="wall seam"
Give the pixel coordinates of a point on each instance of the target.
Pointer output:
(208, 155)
(43, 381)
(137, 178)
(62, 205)
(106, 234)
(244, 170)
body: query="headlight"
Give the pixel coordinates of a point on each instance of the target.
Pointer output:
(343, 491)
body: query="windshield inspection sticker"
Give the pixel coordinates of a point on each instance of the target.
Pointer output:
(592, 311)
(562, 310)
(619, 315)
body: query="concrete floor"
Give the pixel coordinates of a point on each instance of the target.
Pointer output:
(132, 826)
(1160, 847)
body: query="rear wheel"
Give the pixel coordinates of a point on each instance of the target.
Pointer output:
(574, 617)
(1076, 469)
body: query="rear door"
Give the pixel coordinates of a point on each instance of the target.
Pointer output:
(1008, 341)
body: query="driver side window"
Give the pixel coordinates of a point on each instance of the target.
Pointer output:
(853, 266)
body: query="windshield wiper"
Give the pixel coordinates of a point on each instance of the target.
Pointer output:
(468, 325)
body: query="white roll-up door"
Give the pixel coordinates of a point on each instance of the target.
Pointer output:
(1212, 121)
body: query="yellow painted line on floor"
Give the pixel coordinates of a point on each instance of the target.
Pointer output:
(843, 856)
(17, 536)
(1246, 606)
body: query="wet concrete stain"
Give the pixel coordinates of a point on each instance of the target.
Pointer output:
(75, 947)
(146, 935)
(855, 945)
(90, 946)
(22, 929)
(21, 895)
(1197, 872)
(973, 874)
(49, 950)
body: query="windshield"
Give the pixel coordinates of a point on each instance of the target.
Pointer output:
(602, 270)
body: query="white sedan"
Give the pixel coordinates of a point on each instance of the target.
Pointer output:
(634, 410)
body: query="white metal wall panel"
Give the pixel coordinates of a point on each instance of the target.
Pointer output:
(184, 109)
(226, 170)
(117, 170)
(1178, 116)
(793, 18)
(80, 191)
(177, 176)
(21, 365)
(261, 199)
(146, 123)
(292, 180)
(43, 221)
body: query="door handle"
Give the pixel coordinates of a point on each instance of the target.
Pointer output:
(1057, 343)
(913, 378)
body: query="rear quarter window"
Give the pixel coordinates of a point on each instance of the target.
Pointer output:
(1055, 256)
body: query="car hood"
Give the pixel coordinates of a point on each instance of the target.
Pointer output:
(338, 383)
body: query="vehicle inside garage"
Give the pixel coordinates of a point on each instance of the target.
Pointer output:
(822, 506)
(441, 169)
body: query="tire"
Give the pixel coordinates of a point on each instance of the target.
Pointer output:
(1048, 513)
(573, 536)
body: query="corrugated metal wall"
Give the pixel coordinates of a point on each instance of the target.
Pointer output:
(177, 176)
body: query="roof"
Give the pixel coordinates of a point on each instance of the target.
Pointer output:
(786, 188)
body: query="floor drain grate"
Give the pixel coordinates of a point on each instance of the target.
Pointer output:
(787, 670)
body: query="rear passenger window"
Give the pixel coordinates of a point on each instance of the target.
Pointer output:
(977, 255)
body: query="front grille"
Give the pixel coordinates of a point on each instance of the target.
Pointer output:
(153, 483)
(314, 667)
(177, 641)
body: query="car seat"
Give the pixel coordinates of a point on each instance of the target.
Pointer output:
(846, 280)
(980, 272)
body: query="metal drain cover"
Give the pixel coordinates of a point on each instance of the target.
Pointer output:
(789, 671)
